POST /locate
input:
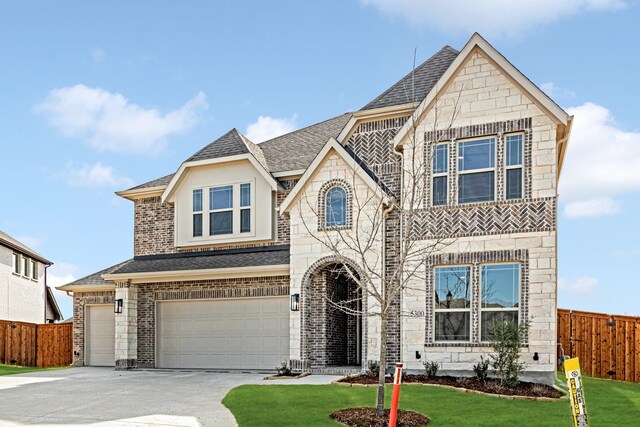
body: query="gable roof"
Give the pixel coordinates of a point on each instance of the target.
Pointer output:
(93, 281)
(296, 150)
(11, 243)
(415, 86)
(478, 42)
(158, 182)
(350, 159)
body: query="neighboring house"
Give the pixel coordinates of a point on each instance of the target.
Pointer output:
(24, 294)
(229, 270)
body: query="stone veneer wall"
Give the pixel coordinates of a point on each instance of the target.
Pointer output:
(80, 300)
(154, 227)
(149, 293)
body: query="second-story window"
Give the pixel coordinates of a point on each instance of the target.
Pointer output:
(34, 270)
(440, 169)
(16, 263)
(513, 164)
(197, 213)
(336, 207)
(221, 210)
(476, 170)
(25, 266)
(245, 208)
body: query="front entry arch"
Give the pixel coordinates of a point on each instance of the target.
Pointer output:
(333, 330)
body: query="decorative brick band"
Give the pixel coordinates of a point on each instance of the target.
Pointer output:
(474, 259)
(473, 131)
(322, 204)
(270, 291)
(487, 219)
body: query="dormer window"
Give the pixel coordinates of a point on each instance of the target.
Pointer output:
(222, 211)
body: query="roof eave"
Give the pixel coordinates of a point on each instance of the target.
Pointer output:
(210, 273)
(24, 251)
(141, 193)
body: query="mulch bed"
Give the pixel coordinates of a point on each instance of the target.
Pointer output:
(491, 386)
(366, 417)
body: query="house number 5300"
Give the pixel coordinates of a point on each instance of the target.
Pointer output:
(417, 313)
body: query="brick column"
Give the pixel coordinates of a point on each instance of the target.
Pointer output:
(127, 327)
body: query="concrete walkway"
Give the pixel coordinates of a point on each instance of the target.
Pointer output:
(104, 397)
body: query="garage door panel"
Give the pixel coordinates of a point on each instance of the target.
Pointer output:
(100, 335)
(249, 333)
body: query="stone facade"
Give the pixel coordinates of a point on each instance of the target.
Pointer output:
(80, 302)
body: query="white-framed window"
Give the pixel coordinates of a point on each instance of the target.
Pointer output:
(499, 295)
(335, 207)
(477, 170)
(439, 175)
(513, 166)
(245, 208)
(25, 266)
(452, 308)
(34, 270)
(221, 210)
(197, 212)
(16, 260)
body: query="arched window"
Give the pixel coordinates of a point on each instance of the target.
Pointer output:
(335, 207)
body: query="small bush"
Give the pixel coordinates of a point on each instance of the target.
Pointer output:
(284, 369)
(431, 368)
(508, 338)
(481, 368)
(373, 367)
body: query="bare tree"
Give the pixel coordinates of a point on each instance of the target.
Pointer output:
(360, 251)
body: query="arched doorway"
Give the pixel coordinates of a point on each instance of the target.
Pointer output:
(332, 316)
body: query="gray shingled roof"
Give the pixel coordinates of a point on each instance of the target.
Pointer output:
(229, 144)
(229, 258)
(296, 150)
(95, 278)
(415, 86)
(10, 242)
(154, 183)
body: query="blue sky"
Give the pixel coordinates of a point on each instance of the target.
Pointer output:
(98, 96)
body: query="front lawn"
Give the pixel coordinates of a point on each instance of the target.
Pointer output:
(609, 403)
(10, 369)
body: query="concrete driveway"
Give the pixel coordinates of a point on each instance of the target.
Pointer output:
(104, 397)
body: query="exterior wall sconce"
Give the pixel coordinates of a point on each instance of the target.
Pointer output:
(117, 306)
(295, 302)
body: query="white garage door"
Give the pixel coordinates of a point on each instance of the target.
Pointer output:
(100, 336)
(247, 333)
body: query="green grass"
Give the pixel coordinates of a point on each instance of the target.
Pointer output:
(609, 403)
(10, 369)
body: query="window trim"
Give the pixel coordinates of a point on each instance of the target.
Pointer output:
(520, 166)
(504, 309)
(34, 270)
(195, 212)
(342, 224)
(16, 260)
(452, 310)
(494, 169)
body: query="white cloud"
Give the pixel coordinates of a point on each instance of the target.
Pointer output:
(489, 17)
(110, 122)
(59, 274)
(31, 241)
(592, 207)
(602, 161)
(555, 91)
(581, 286)
(95, 176)
(98, 54)
(267, 127)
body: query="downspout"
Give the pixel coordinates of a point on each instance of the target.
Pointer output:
(46, 294)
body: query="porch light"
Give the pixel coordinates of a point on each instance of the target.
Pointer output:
(117, 306)
(295, 302)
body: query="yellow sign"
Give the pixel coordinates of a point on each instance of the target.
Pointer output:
(576, 392)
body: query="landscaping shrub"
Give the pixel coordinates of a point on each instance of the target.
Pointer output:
(481, 368)
(284, 369)
(431, 368)
(508, 338)
(373, 367)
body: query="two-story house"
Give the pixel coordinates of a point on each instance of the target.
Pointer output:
(234, 261)
(24, 294)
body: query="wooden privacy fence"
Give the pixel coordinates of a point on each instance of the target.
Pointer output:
(29, 344)
(608, 345)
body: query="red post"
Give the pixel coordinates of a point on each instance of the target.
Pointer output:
(395, 396)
